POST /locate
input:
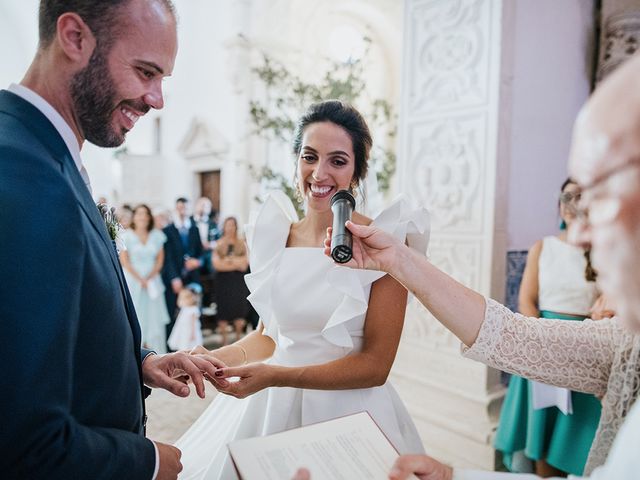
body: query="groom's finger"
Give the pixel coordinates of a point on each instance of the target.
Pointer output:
(194, 368)
(228, 372)
(217, 364)
(209, 366)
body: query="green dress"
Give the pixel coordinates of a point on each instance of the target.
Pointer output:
(563, 441)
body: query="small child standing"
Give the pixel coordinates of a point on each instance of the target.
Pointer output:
(187, 331)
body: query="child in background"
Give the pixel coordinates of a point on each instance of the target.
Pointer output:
(187, 332)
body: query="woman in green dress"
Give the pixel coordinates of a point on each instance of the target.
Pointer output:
(557, 283)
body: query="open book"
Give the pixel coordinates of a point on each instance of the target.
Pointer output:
(346, 448)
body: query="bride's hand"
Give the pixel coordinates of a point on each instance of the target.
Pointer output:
(252, 378)
(199, 350)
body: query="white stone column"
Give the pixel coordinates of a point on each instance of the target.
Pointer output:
(451, 161)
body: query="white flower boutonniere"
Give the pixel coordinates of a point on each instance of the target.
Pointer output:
(110, 218)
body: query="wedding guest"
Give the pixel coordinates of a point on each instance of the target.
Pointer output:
(603, 357)
(187, 332)
(558, 282)
(125, 214)
(142, 261)
(205, 218)
(231, 261)
(183, 251)
(161, 218)
(330, 335)
(73, 402)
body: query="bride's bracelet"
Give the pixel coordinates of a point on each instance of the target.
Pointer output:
(244, 352)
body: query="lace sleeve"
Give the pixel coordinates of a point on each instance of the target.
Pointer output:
(570, 354)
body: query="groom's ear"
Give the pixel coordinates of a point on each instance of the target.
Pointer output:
(75, 39)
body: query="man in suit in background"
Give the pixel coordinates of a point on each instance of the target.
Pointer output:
(72, 403)
(183, 256)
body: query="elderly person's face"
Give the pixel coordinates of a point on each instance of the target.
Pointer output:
(605, 161)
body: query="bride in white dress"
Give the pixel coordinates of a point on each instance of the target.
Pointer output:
(328, 335)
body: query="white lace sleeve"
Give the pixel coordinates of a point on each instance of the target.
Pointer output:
(570, 354)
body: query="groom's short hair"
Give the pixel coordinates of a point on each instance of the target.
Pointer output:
(101, 16)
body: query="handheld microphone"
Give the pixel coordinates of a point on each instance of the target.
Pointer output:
(342, 205)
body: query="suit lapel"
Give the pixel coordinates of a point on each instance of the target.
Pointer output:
(91, 210)
(42, 128)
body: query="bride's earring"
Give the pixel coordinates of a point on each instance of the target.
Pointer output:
(352, 187)
(298, 193)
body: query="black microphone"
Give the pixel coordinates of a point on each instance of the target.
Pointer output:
(342, 205)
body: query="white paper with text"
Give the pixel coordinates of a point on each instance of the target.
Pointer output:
(347, 448)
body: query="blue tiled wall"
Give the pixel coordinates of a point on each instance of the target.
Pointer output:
(516, 260)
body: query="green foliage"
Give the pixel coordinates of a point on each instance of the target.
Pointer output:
(280, 182)
(288, 95)
(110, 218)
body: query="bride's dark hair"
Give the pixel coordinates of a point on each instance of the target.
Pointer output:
(346, 116)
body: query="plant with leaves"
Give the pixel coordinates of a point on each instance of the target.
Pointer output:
(288, 95)
(110, 218)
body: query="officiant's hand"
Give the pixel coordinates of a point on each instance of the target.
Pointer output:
(253, 378)
(422, 466)
(373, 249)
(302, 474)
(174, 370)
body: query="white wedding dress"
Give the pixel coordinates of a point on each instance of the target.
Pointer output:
(315, 312)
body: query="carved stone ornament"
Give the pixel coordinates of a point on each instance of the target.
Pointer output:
(620, 41)
(446, 170)
(448, 43)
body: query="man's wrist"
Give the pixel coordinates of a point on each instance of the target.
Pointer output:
(157, 467)
(148, 354)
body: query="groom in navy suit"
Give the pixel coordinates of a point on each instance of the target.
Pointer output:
(75, 377)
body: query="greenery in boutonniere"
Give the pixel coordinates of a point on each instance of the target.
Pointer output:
(108, 214)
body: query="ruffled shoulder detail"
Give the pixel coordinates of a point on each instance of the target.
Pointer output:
(266, 234)
(402, 221)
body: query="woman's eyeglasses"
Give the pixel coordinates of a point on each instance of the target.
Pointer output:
(570, 197)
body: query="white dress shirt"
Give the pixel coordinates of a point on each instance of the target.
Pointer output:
(71, 142)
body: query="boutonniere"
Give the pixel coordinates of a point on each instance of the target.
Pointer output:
(110, 219)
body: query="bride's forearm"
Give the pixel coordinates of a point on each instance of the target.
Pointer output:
(457, 307)
(255, 347)
(358, 370)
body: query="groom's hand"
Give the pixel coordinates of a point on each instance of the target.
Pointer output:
(170, 465)
(174, 370)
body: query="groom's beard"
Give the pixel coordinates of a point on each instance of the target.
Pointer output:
(93, 93)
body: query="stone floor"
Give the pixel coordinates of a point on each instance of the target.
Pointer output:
(170, 416)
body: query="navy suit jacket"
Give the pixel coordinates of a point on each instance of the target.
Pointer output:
(72, 401)
(175, 252)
